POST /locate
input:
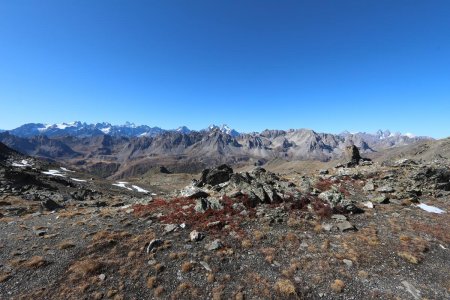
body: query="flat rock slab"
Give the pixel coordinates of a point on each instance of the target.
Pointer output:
(345, 226)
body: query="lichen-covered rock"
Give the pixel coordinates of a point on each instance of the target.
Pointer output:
(332, 197)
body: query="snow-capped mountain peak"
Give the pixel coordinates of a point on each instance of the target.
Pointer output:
(78, 128)
(224, 129)
(410, 135)
(183, 129)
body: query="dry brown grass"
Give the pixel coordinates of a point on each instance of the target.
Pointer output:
(294, 221)
(177, 255)
(6, 219)
(269, 254)
(4, 277)
(325, 245)
(35, 262)
(111, 293)
(409, 257)
(159, 290)
(151, 282)
(317, 228)
(79, 223)
(440, 231)
(291, 237)
(246, 244)
(36, 228)
(261, 287)
(159, 267)
(50, 236)
(294, 267)
(86, 267)
(217, 293)
(66, 245)
(258, 235)
(285, 288)
(363, 274)
(110, 235)
(187, 266)
(183, 286)
(210, 277)
(270, 259)
(16, 262)
(412, 248)
(338, 286)
(369, 235)
(70, 214)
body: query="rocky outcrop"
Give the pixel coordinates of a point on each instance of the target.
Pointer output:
(352, 154)
(353, 157)
(215, 176)
(257, 186)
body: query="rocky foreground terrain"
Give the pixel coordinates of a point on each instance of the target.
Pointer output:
(361, 230)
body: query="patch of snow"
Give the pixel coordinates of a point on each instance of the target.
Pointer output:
(62, 125)
(46, 126)
(213, 126)
(106, 130)
(430, 208)
(410, 135)
(65, 125)
(22, 163)
(183, 129)
(54, 173)
(226, 127)
(14, 164)
(122, 184)
(139, 189)
(66, 170)
(78, 180)
(368, 204)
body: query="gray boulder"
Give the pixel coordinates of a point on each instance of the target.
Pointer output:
(51, 205)
(215, 176)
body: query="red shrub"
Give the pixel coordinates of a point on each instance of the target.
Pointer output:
(344, 191)
(300, 204)
(321, 208)
(174, 213)
(323, 184)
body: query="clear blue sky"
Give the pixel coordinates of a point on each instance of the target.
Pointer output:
(325, 65)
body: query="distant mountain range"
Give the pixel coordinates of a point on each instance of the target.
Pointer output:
(82, 129)
(129, 150)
